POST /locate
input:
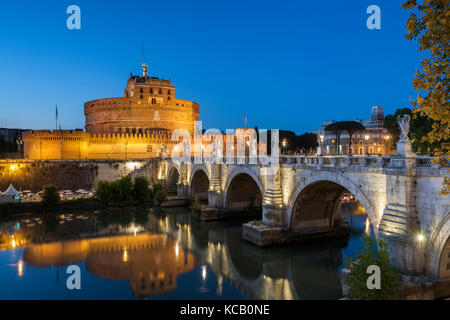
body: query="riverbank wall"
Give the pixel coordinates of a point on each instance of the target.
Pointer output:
(70, 174)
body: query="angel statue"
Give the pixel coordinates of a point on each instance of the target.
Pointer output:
(403, 122)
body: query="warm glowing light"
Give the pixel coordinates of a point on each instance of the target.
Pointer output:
(132, 165)
(321, 137)
(177, 250)
(367, 229)
(13, 243)
(13, 167)
(134, 231)
(125, 255)
(366, 137)
(204, 273)
(20, 268)
(420, 237)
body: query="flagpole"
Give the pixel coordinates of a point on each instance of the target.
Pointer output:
(56, 117)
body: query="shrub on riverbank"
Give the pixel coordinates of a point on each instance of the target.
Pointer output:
(103, 192)
(374, 253)
(141, 190)
(159, 197)
(50, 197)
(124, 191)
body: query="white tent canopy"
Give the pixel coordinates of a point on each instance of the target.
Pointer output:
(10, 191)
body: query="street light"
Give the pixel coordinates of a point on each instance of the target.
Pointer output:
(367, 143)
(386, 139)
(284, 143)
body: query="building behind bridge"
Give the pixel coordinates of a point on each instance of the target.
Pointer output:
(375, 139)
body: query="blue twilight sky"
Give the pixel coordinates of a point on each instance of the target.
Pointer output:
(286, 64)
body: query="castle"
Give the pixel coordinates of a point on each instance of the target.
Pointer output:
(136, 126)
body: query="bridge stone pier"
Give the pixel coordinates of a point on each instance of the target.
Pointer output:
(399, 193)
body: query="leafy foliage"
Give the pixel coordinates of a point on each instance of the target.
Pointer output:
(419, 127)
(123, 191)
(50, 197)
(304, 143)
(141, 189)
(160, 196)
(429, 25)
(340, 126)
(103, 192)
(196, 205)
(373, 253)
(126, 189)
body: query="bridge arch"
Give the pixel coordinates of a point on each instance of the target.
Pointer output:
(333, 183)
(438, 250)
(243, 187)
(173, 175)
(199, 182)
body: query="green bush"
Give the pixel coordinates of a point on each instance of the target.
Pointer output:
(126, 188)
(154, 190)
(50, 197)
(160, 196)
(156, 187)
(104, 192)
(116, 192)
(373, 253)
(196, 205)
(141, 189)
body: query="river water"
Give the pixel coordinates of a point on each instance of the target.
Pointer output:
(145, 254)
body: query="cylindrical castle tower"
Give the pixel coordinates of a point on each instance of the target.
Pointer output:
(148, 105)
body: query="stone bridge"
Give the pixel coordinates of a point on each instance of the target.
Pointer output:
(401, 196)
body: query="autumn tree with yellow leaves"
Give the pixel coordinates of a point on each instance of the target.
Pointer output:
(429, 25)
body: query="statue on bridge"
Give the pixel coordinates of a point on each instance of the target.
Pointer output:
(403, 123)
(403, 144)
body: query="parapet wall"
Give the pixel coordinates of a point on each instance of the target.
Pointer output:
(65, 144)
(65, 174)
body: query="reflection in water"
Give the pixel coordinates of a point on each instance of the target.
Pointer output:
(146, 261)
(155, 252)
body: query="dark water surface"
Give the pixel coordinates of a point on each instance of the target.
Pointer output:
(140, 253)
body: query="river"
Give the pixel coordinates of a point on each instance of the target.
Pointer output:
(145, 254)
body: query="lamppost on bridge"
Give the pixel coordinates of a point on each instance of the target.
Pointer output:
(322, 137)
(284, 143)
(386, 139)
(366, 137)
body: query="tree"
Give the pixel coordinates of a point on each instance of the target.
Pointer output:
(297, 143)
(104, 192)
(50, 197)
(373, 254)
(141, 189)
(419, 127)
(126, 189)
(351, 127)
(338, 127)
(429, 25)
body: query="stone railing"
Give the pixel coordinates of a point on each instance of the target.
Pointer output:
(387, 161)
(362, 161)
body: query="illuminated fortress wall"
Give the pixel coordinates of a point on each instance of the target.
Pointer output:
(64, 144)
